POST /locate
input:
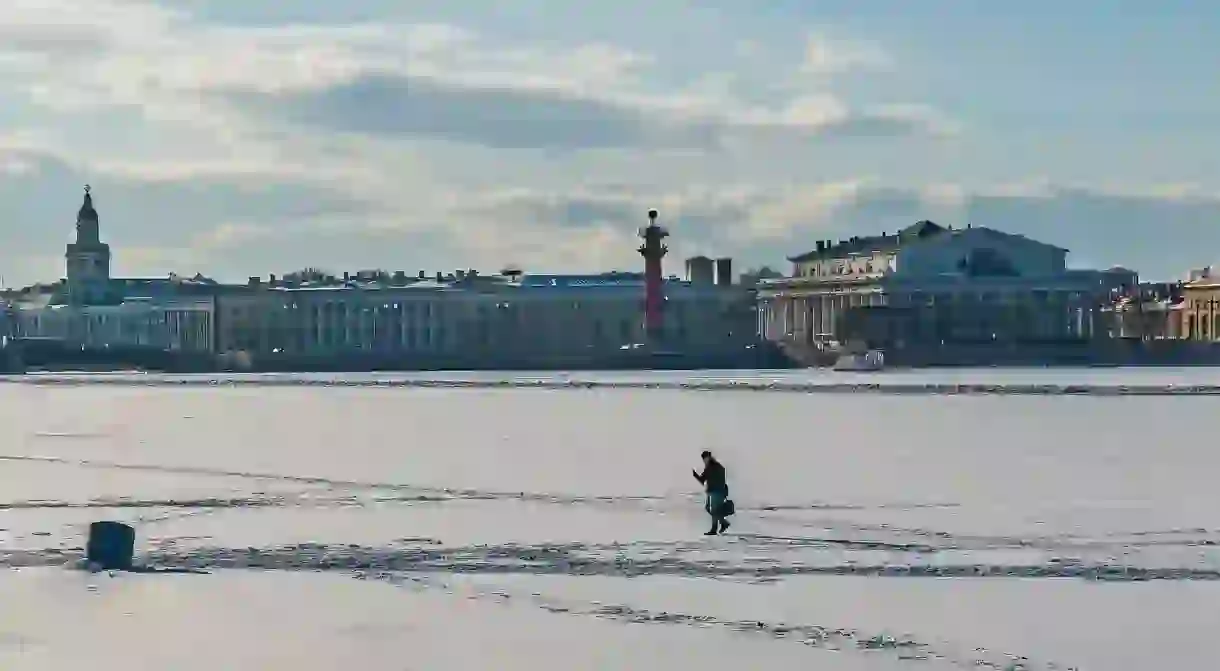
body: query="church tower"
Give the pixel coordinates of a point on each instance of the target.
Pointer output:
(88, 258)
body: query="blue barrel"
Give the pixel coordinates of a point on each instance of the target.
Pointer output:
(112, 545)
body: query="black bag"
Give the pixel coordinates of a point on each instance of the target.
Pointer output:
(728, 508)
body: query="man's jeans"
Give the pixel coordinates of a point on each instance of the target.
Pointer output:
(715, 502)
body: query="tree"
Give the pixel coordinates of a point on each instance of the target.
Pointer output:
(752, 277)
(309, 274)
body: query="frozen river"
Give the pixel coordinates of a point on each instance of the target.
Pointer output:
(411, 526)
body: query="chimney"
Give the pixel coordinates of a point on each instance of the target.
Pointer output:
(700, 270)
(821, 245)
(271, 280)
(724, 272)
(347, 277)
(440, 277)
(400, 278)
(423, 275)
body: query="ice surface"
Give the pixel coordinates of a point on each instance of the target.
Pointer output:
(493, 527)
(904, 382)
(265, 621)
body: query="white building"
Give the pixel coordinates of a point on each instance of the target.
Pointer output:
(937, 284)
(183, 325)
(487, 318)
(392, 320)
(93, 310)
(324, 320)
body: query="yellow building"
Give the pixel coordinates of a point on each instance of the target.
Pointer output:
(1201, 306)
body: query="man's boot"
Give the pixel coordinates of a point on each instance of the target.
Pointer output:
(724, 524)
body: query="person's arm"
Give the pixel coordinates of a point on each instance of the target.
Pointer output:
(701, 477)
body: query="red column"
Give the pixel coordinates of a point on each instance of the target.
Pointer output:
(653, 297)
(653, 250)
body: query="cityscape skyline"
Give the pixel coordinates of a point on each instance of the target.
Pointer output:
(234, 139)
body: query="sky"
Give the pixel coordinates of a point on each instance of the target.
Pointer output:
(247, 137)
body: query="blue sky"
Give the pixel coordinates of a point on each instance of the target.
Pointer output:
(238, 137)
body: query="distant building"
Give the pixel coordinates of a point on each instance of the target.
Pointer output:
(88, 261)
(1200, 307)
(700, 270)
(375, 318)
(180, 324)
(931, 284)
(1154, 311)
(91, 309)
(751, 278)
(509, 318)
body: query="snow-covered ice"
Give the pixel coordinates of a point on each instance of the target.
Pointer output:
(423, 527)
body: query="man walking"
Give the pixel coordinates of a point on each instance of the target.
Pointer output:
(715, 483)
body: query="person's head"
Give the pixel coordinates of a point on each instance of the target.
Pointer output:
(706, 456)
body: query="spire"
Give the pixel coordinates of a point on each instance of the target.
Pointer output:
(87, 213)
(86, 221)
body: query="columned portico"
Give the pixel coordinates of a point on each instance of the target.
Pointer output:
(930, 285)
(801, 312)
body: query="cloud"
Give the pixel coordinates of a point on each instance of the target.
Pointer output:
(209, 142)
(402, 79)
(236, 229)
(229, 235)
(498, 118)
(827, 56)
(1160, 235)
(151, 225)
(381, 104)
(414, 142)
(1141, 229)
(765, 223)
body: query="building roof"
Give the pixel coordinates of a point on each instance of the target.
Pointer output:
(148, 287)
(873, 243)
(613, 279)
(922, 230)
(533, 283)
(991, 232)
